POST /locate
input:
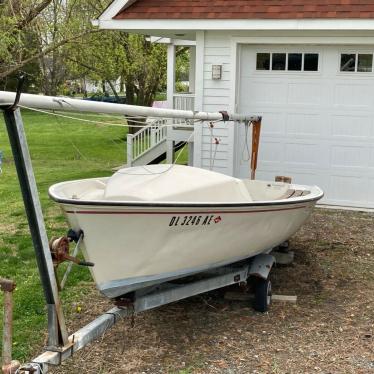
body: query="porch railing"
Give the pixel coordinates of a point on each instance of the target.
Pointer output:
(184, 101)
(155, 132)
(145, 139)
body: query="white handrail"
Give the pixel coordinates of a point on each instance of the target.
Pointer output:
(145, 139)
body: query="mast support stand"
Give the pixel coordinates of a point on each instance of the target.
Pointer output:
(57, 333)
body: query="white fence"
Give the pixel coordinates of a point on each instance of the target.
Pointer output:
(184, 101)
(145, 139)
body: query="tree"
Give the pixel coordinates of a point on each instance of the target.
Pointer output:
(182, 68)
(29, 32)
(52, 71)
(140, 63)
(144, 70)
(59, 35)
(112, 54)
(15, 17)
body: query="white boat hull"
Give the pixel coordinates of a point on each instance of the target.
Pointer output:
(134, 246)
(145, 225)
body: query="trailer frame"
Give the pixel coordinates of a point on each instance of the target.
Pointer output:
(156, 296)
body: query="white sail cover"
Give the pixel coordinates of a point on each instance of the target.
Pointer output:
(174, 183)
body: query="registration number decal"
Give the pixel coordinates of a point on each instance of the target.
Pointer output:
(194, 220)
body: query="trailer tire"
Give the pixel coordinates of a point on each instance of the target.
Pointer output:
(262, 299)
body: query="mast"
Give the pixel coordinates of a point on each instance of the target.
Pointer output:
(76, 105)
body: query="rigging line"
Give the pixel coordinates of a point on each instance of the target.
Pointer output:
(103, 123)
(149, 172)
(117, 116)
(246, 141)
(69, 139)
(210, 126)
(117, 145)
(187, 121)
(216, 142)
(176, 159)
(140, 116)
(214, 155)
(73, 118)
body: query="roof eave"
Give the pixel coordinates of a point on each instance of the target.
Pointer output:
(114, 8)
(253, 24)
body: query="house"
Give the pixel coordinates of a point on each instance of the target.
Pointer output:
(305, 66)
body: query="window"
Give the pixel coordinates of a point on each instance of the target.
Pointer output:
(365, 63)
(356, 62)
(295, 61)
(311, 62)
(287, 61)
(263, 61)
(347, 62)
(278, 61)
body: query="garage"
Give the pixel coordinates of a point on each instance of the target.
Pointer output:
(317, 104)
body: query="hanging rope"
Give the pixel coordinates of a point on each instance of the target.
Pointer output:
(213, 141)
(216, 142)
(246, 142)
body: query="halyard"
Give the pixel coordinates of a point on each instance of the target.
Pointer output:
(329, 330)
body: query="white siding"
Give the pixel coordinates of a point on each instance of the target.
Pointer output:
(336, 128)
(216, 97)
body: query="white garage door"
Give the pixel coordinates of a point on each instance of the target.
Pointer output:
(317, 105)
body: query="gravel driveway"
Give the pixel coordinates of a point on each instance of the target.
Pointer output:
(329, 330)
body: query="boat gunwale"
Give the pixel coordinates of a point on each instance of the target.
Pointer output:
(153, 204)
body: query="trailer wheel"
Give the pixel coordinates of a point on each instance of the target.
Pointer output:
(262, 295)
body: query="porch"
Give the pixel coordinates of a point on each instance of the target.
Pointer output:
(158, 139)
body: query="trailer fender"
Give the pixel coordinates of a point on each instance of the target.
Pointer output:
(261, 266)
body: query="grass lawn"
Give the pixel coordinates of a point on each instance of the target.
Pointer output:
(61, 149)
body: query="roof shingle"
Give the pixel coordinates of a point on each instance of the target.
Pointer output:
(248, 9)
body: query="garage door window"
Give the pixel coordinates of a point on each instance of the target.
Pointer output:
(310, 61)
(287, 61)
(278, 61)
(295, 61)
(365, 63)
(356, 62)
(263, 61)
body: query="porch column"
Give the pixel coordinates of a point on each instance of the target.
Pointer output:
(190, 153)
(170, 151)
(170, 76)
(192, 72)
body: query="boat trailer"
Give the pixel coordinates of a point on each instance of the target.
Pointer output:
(60, 346)
(146, 299)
